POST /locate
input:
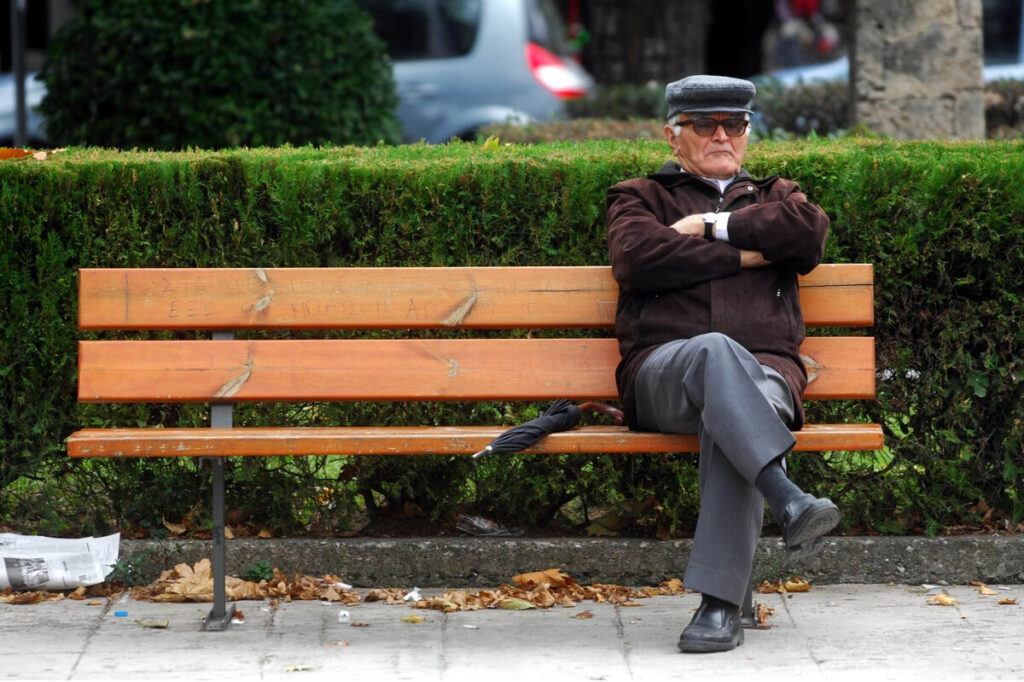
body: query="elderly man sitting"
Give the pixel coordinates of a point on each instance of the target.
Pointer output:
(709, 328)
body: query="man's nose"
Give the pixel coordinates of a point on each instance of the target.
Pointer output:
(719, 135)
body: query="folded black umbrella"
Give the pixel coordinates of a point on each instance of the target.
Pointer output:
(561, 416)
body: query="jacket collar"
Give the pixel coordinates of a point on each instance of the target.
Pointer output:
(672, 174)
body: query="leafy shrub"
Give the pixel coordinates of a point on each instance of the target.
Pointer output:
(170, 74)
(1004, 108)
(820, 108)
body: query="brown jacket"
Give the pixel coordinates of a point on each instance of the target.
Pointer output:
(674, 286)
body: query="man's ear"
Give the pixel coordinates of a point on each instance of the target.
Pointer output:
(670, 137)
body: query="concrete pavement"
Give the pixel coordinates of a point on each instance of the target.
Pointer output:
(833, 632)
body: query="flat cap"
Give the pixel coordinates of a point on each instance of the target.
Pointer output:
(709, 93)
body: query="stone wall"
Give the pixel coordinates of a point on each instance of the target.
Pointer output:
(916, 68)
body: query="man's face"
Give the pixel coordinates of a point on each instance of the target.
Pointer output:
(718, 156)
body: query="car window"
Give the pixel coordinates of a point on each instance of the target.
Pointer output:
(547, 28)
(461, 18)
(1002, 25)
(425, 29)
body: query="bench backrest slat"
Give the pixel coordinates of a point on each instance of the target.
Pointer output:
(404, 298)
(402, 369)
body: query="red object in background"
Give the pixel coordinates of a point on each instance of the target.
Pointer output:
(805, 8)
(554, 73)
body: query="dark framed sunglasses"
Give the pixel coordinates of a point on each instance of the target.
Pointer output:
(706, 127)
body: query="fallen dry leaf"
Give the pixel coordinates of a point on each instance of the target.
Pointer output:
(515, 604)
(1007, 601)
(174, 528)
(674, 586)
(165, 598)
(942, 600)
(33, 597)
(551, 577)
(389, 595)
(986, 590)
(762, 615)
(413, 618)
(12, 153)
(797, 584)
(793, 584)
(583, 615)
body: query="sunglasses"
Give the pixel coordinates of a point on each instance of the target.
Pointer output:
(706, 127)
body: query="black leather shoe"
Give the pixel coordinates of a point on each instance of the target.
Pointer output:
(804, 521)
(713, 628)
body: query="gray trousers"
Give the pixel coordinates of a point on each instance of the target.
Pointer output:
(712, 386)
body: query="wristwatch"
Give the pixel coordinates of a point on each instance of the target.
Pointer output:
(709, 226)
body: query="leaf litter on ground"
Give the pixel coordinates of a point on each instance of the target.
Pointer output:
(538, 589)
(794, 583)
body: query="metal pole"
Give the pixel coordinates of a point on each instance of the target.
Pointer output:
(18, 62)
(220, 615)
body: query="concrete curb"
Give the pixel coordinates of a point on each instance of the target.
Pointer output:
(488, 562)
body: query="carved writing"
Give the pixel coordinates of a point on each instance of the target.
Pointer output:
(189, 309)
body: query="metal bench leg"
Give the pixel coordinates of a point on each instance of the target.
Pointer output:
(221, 416)
(749, 612)
(220, 615)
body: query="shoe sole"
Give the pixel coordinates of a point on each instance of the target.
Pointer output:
(703, 647)
(806, 539)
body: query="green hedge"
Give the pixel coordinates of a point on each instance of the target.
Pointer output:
(943, 223)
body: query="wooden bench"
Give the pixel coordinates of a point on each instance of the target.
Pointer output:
(223, 370)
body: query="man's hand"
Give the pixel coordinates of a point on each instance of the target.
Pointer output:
(694, 225)
(752, 259)
(691, 224)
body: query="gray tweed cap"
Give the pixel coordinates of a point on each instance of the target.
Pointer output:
(709, 93)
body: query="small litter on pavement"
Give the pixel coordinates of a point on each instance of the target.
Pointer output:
(154, 624)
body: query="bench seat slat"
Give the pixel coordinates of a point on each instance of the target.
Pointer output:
(402, 369)
(404, 298)
(433, 440)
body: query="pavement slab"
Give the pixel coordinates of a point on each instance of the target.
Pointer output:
(833, 632)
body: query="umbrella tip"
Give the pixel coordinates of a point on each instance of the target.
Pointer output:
(485, 451)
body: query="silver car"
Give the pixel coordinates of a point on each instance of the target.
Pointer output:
(462, 64)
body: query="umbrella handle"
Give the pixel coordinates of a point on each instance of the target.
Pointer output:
(607, 410)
